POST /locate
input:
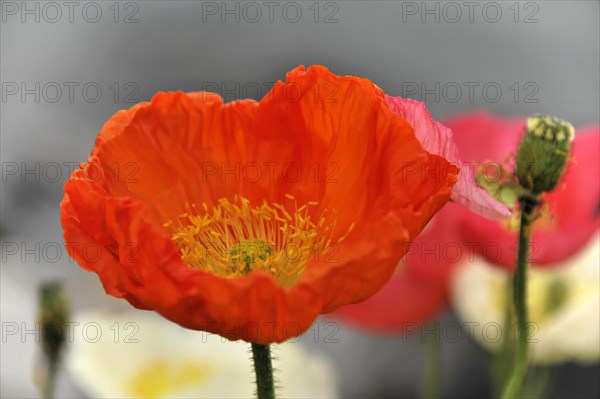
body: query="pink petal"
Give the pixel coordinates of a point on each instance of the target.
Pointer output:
(438, 139)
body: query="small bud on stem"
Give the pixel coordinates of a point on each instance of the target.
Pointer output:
(53, 316)
(543, 153)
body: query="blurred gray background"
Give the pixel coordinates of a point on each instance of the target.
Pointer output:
(65, 71)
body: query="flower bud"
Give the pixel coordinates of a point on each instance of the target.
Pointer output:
(543, 153)
(53, 318)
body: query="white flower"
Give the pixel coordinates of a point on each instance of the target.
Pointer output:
(139, 354)
(563, 304)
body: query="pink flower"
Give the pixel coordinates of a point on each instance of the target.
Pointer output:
(572, 215)
(419, 290)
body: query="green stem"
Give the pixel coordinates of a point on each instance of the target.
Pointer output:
(432, 369)
(501, 363)
(520, 366)
(48, 380)
(263, 369)
(535, 387)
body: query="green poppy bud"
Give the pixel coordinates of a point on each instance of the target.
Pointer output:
(543, 154)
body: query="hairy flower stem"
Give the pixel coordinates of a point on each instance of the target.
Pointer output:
(513, 386)
(263, 369)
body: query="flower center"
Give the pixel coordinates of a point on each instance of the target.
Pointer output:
(163, 377)
(233, 238)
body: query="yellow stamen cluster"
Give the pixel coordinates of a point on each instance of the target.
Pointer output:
(234, 238)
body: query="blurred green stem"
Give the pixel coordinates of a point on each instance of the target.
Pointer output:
(519, 371)
(49, 381)
(431, 381)
(502, 361)
(538, 382)
(263, 368)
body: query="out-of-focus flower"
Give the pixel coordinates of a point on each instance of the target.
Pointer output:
(563, 303)
(224, 217)
(140, 355)
(419, 290)
(571, 216)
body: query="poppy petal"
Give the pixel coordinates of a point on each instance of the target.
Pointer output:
(157, 161)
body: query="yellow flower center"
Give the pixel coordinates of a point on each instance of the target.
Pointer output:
(233, 238)
(163, 378)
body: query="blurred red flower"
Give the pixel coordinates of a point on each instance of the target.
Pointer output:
(572, 214)
(419, 290)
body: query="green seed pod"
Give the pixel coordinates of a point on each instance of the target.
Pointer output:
(543, 153)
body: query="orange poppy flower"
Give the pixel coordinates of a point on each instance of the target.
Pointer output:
(250, 219)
